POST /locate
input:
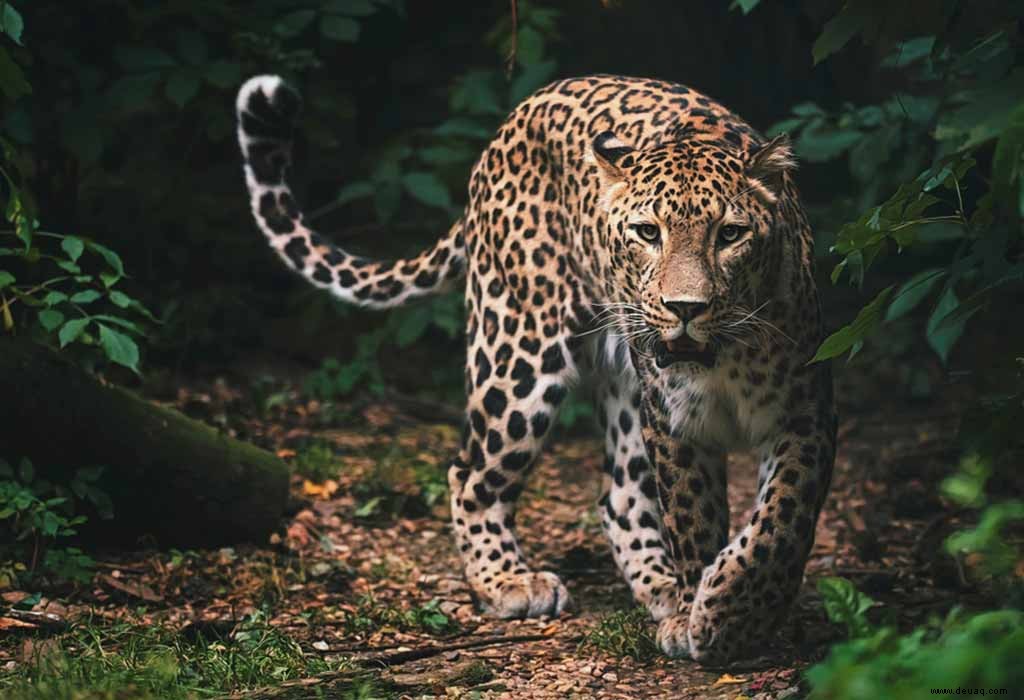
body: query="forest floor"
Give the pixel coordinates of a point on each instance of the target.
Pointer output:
(359, 593)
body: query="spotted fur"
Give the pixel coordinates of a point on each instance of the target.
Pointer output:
(639, 233)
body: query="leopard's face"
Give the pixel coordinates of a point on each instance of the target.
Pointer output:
(693, 230)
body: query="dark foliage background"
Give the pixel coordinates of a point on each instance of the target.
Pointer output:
(117, 134)
(129, 130)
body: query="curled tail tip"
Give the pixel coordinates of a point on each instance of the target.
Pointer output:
(266, 84)
(267, 106)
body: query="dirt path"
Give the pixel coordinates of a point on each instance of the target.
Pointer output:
(352, 555)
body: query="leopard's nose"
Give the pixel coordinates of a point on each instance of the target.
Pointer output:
(686, 310)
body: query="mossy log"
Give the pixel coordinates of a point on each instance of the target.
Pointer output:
(173, 481)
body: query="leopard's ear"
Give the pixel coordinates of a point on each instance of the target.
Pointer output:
(611, 155)
(769, 164)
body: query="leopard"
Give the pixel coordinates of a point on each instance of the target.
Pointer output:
(637, 236)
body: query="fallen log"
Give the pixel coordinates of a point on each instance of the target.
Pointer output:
(173, 481)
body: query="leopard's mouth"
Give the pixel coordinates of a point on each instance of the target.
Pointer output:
(683, 349)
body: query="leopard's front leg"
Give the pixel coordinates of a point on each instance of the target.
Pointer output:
(745, 593)
(691, 480)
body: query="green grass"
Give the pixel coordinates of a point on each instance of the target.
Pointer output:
(371, 616)
(317, 462)
(100, 661)
(622, 633)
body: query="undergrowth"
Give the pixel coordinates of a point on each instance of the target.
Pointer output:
(100, 661)
(622, 633)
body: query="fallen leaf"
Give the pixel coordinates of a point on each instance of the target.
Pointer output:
(324, 490)
(726, 679)
(285, 453)
(297, 535)
(7, 623)
(135, 590)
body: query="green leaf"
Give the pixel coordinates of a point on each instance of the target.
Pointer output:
(11, 23)
(118, 321)
(338, 28)
(847, 336)
(54, 298)
(73, 247)
(294, 23)
(462, 126)
(532, 77)
(966, 486)
(428, 189)
(12, 79)
(119, 348)
(413, 324)
(6, 279)
(942, 336)
(913, 292)
(354, 191)
(111, 258)
(845, 605)
(182, 87)
(50, 319)
(529, 46)
(368, 508)
(819, 142)
(71, 331)
(476, 92)
(86, 296)
(840, 29)
(744, 6)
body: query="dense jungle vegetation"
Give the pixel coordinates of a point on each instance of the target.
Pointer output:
(129, 249)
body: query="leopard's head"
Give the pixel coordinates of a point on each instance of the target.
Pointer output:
(695, 237)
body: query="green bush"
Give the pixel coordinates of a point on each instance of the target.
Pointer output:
(36, 515)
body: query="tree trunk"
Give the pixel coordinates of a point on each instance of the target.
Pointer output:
(171, 478)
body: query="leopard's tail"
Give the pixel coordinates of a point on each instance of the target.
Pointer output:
(267, 110)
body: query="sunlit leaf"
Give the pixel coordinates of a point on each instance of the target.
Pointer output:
(745, 6)
(845, 338)
(50, 319)
(119, 348)
(86, 296)
(53, 298)
(72, 330)
(73, 247)
(11, 23)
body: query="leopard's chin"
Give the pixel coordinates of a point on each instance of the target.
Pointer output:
(681, 350)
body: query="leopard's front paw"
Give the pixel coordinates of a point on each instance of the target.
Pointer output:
(673, 635)
(526, 595)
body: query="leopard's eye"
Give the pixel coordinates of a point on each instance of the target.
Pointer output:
(649, 232)
(730, 233)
